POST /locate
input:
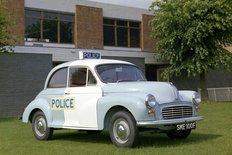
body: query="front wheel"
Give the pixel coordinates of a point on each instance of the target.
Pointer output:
(123, 130)
(39, 127)
(179, 134)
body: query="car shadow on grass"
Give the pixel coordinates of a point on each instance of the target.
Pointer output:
(145, 139)
(82, 136)
(161, 140)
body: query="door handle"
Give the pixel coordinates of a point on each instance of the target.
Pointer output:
(67, 93)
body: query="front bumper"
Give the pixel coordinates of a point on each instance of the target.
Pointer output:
(168, 122)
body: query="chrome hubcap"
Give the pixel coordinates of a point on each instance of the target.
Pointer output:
(40, 126)
(121, 130)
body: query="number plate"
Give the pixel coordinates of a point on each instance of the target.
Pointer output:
(186, 126)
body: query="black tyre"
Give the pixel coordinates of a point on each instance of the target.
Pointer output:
(40, 128)
(123, 130)
(179, 134)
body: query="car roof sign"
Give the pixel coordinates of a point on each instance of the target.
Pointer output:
(89, 55)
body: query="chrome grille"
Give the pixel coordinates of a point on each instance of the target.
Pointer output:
(177, 112)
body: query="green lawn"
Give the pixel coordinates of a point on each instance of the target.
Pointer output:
(212, 136)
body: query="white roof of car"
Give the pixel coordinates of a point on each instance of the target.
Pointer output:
(92, 62)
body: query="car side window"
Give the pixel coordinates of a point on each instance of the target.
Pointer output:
(77, 77)
(58, 79)
(91, 79)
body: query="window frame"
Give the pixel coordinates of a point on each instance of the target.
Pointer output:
(144, 77)
(87, 76)
(128, 27)
(47, 87)
(58, 20)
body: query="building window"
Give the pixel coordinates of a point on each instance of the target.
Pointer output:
(134, 34)
(66, 28)
(51, 27)
(109, 32)
(121, 33)
(32, 25)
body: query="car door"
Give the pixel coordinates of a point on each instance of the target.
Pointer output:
(82, 86)
(54, 93)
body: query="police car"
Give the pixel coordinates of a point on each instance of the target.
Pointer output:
(97, 95)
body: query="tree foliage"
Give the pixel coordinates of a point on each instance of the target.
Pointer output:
(192, 34)
(6, 35)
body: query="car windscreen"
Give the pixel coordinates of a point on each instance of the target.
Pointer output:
(111, 73)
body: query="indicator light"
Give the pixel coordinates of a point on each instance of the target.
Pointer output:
(151, 112)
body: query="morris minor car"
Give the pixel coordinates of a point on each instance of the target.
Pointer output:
(112, 95)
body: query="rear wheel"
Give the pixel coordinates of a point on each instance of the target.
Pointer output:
(39, 127)
(123, 130)
(179, 134)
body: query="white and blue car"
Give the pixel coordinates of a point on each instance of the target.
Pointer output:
(97, 95)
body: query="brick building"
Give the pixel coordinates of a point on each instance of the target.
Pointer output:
(63, 29)
(54, 31)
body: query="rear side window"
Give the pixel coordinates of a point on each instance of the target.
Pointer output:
(58, 79)
(91, 79)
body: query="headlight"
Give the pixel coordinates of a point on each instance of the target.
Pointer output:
(150, 101)
(196, 98)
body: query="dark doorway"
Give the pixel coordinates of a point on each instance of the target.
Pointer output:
(150, 72)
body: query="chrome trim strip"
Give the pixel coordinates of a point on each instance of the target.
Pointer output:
(167, 122)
